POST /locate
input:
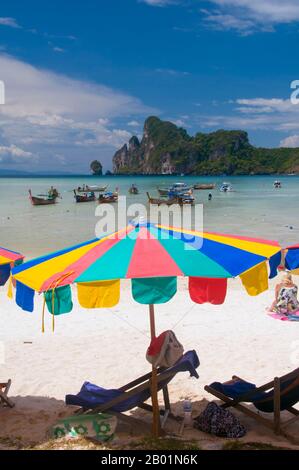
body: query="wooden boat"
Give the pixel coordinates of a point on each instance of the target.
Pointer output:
(163, 192)
(108, 197)
(226, 187)
(95, 189)
(204, 186)
(86, 197)
(41, 201)
(180, 200)
(174, 190)
(133, 189)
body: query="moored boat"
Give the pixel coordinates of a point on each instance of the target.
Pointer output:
(163, 191)
(179, 199)
(204, 186)
(226, 187)
(108, 197)
(41, 200)
(92, 188)
(86, 197)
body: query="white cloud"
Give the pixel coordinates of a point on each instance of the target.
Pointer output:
(290, 142)
(47, 112)
(15, 154)
(271, 114)
(172, 72)
(133, 124)
(158, 3)
(249, 16)
(11, 22)
(58, 49)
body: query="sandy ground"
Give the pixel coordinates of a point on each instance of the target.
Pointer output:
(107, 347)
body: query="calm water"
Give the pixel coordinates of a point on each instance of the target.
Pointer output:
(254, 209)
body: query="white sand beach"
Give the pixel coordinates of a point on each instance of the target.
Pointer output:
(107, 347)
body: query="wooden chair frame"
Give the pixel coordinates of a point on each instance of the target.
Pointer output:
(274, 424)
(4, 389)
(133, 388)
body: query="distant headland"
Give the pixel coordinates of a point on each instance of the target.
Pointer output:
(168, 149)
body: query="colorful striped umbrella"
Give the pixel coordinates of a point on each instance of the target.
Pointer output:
(148, 251)
(292, 258)
(8, 259)
(153, 256)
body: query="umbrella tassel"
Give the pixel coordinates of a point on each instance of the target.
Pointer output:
(43, 316)
(53, 310)
(9, 290)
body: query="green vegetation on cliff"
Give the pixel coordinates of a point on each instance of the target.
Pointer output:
(166, 148)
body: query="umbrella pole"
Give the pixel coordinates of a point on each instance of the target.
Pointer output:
(154, 391)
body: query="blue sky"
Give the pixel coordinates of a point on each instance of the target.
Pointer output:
(82, 76)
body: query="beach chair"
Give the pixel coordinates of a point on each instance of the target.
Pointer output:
(281, 394)
(93, 399)
(4, 400)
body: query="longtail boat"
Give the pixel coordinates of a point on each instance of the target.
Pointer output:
(108, 197)
(41, 201)
(181, 200)
(86, 197)
(204, 186)
(95, 189)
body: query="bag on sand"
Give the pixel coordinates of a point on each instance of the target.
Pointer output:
(99, 426)
(218, 421)
(165, 350)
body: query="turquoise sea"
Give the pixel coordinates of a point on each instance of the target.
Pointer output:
(255, 208)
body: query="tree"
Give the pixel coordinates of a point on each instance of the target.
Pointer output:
(96, 168)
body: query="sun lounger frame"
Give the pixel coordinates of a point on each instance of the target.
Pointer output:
(4, 389)
(132, 388)
(274, 424)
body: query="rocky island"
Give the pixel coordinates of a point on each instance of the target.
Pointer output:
(168, 149)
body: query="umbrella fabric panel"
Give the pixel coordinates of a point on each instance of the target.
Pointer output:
(103, 294)
(252, 245)
(292, 258)
(50, 256)
(157, 290)
(113, 264)
(210, 290)
(212, 259)
(4, 273)
(255, 280)
(7, 256)
(193, 262)
(150, 259)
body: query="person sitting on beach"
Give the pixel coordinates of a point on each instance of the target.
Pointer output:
(286, 292)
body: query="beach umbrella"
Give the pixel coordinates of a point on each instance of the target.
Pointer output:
(8, 259)
(291, 258)
(152, 256)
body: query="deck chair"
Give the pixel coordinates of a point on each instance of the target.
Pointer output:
(4, 400)
(93, 399)
(281, 394)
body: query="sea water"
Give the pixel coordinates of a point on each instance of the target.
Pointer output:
(254, 208)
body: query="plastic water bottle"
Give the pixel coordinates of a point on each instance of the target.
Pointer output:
(187, 412)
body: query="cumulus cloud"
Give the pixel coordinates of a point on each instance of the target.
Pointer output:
(259, 113)
(249, 16)
(290, 142)
(133, 124)
(158, 3)
(15, 154)
(46, 112)
(11, 22)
